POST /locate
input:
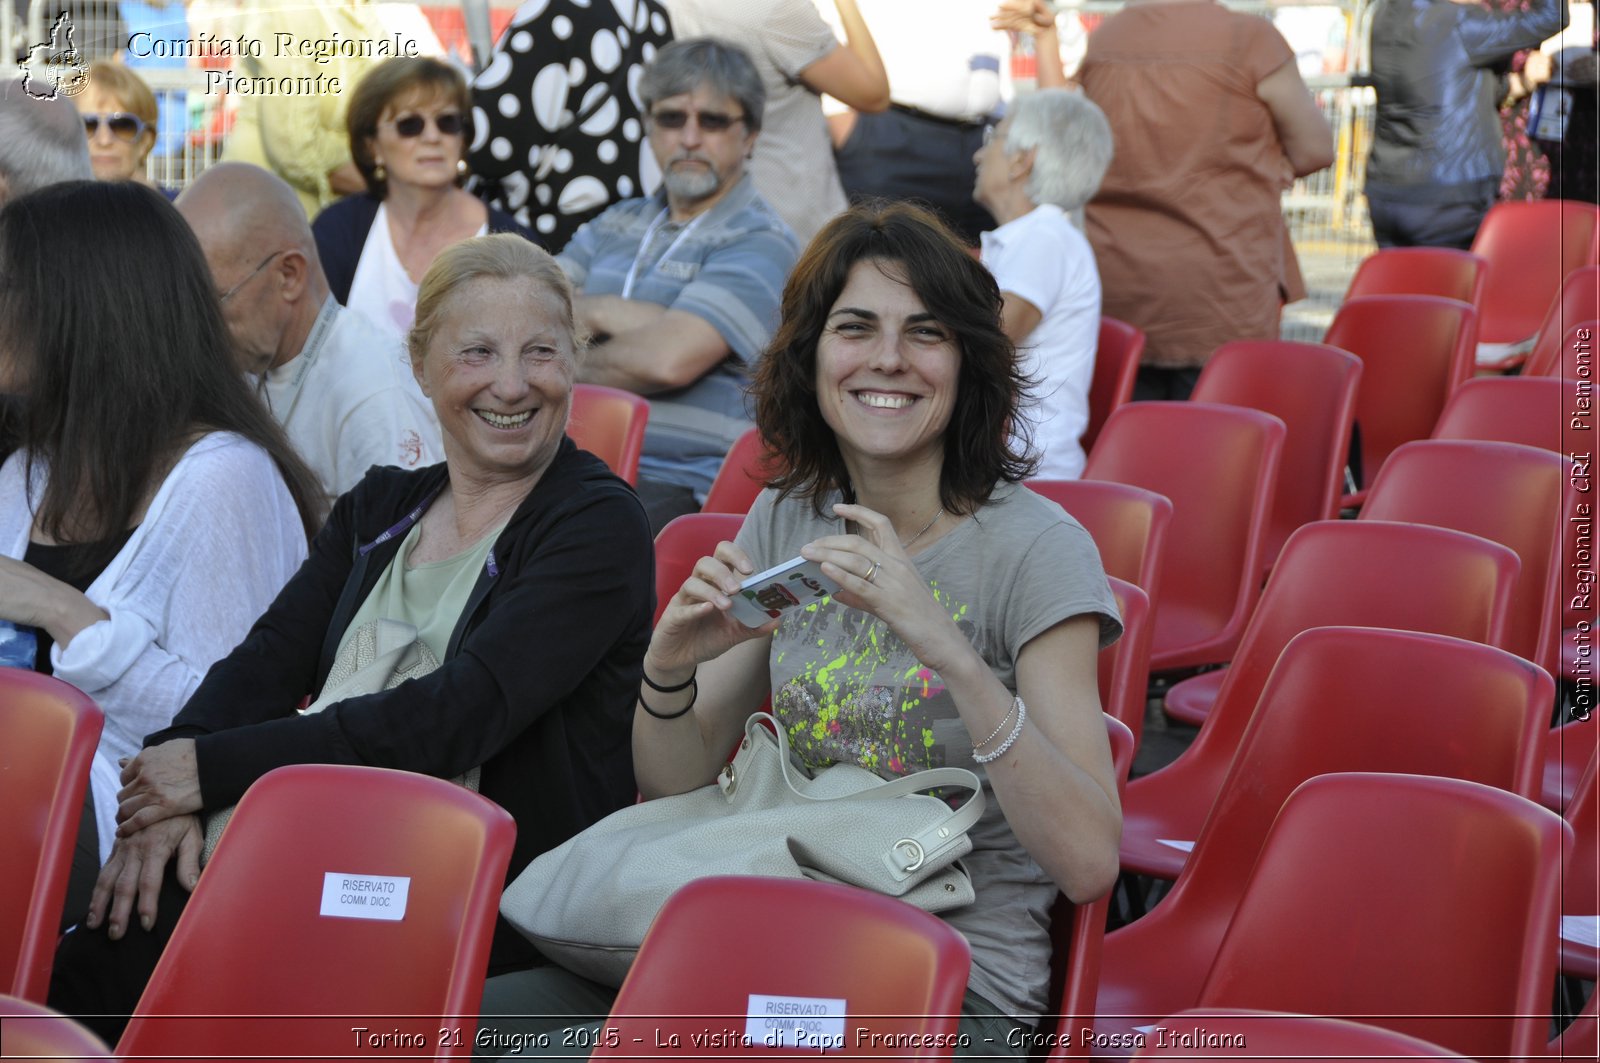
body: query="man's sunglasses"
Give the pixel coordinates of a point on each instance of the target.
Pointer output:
(448, 124)
(123, 126)
(708, 121)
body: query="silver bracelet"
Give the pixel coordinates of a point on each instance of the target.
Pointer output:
(1011, 739)
(1001, 726)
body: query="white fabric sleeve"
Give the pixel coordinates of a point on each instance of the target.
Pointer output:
(389, 428)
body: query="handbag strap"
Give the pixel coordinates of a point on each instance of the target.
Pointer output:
(906, 855)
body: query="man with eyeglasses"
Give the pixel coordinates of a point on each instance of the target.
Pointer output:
(342, 389)
(680, 289)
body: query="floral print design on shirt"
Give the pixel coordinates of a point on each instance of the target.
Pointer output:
(862, 697)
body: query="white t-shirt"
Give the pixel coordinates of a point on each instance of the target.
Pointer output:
(1043, 258)
(381, 288)
(348, 401)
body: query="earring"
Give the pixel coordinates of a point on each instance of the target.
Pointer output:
(461, 167)
(379, 173)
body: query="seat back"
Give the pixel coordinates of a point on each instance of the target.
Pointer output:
(1580, 893)
(33, 1031)
(1508, 409)
(1311, 388)
(48, 733)
(1409, 577)
(1350, 873)
(609, 423)
(1577, 302)
(1531, 247)
(1248, 1033)
(1505, 492)
(1218, 465)
(1124, 666)
(900, 972)
(684, 541)
(1127, 523)
(1443, 271)
(1116, 367)
(1076, 932)
(1414, 351)
(361, 897)
(743, 474)
(1570, 356)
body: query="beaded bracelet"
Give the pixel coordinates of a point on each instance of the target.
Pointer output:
(1022, 718)
(694, 693)
(1001, 726)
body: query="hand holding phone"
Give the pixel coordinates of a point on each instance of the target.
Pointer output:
(766, 595)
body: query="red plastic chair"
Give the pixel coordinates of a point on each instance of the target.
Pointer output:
(742, 477)
(1530, 248)
(1580, 891)
(1339, 699)
(901, 972)
(1350, 875)
(1414, 350)
(1218, 465)
(1409, 577)
(1442, 271)
(299, 941)
(29, 1030)
(609, 423)
(1578, 302)
(1505, 492)
(48, 733)
(1567, 752)
(1076, 931)
(1246, 1033)
(1127, 523)
(1311, 388)
(1125, 664)
(684, 541)
(1116, 368)
(1516, 409)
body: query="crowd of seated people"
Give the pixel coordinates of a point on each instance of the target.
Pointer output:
(370, 406)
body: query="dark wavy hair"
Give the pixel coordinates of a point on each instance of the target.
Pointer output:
(960, 294)
(110, 325)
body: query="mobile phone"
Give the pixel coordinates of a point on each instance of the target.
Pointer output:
(766, 595)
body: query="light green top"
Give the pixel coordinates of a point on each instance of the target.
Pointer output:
(429, 596)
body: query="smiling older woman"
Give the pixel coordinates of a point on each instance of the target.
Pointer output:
(523, 563)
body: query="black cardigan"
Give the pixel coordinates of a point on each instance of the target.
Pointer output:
(538, 683)
(341, 232)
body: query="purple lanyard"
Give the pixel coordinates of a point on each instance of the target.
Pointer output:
(411, 518)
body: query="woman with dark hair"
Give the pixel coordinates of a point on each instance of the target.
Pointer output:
(970, 612)
(409, 121)
(154, 507)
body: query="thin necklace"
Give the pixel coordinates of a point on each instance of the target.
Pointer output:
(906, 546)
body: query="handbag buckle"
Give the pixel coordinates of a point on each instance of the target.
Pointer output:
(911, 851)
(728, 780)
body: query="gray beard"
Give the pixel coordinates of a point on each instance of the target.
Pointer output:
(692, 184)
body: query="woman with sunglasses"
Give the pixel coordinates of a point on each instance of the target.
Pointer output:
(119, 116)
(409, 125)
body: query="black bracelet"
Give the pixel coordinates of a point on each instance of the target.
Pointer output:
(645, 705)
(659, 689)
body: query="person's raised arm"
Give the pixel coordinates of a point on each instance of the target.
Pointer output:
(1303, 132)
(1036, 17)
(853, 73)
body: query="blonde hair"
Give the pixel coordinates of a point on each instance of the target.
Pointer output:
(125, 85)
(500, 256)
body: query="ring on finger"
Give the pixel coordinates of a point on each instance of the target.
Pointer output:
(873, 571)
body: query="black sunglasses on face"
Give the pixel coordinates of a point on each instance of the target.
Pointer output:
(448, 124)
(123, 126)
(708, 121)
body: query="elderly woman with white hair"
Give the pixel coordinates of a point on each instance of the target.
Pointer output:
(1044, 160)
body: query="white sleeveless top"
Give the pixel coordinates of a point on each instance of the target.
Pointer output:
(381, 290)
